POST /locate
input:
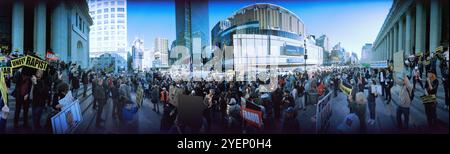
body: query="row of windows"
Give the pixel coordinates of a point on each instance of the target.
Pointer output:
(107, 16)
(112, 22)
(256, 30)
(105, 3)
(106, 10)
(106, 38)
(110, 32)
(110, 27)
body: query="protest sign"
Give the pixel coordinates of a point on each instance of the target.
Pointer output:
(252, 117)
(68, 119)
(174, 92)
(398, 61)
(6, 70)
(3, 88)
(29, 61)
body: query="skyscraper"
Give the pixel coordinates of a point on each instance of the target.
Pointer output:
(192, 29)
(109, 32)
(161, 47)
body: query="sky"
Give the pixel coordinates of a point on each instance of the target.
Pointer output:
(351, 22)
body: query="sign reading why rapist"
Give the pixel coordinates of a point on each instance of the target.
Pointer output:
(29, 61)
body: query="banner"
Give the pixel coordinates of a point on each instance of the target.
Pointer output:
(253, 117)
(398, 61)
(379, 64)
(29, 61)
(68, 119)
(345, 90)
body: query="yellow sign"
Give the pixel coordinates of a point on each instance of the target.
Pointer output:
(345, 90)
(18, 62)
(439, 49)
(398, 61)
(29, 61)
(3, 89)
(6, 70)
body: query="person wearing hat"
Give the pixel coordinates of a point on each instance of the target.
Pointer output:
(431, 89)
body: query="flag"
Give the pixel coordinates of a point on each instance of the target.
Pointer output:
(50, 55)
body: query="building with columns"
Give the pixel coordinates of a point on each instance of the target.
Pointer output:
(412, 27)
(41, 25)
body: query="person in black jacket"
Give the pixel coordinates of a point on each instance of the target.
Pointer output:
(85, 81)
(39, 97)
(21, 93)
(115, 97)
(101, 97)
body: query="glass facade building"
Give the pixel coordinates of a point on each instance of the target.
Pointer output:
(262, 37)
(192, 31)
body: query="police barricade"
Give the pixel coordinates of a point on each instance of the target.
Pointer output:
(323, 113)
(68, 119)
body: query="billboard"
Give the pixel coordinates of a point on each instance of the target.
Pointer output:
(290, 50)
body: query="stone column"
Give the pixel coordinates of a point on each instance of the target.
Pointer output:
(435, 25)
(40, 16)
(408, 50)
(60, 39)
(395, 41)
(400, 35)
(17, 26)
(420, 27)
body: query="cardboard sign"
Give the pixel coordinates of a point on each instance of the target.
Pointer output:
(29, 61)
(6, 70)
(190, 110)
(252, 117)
(174, 92)
(68, 119)
(3, 88)
(398, 61)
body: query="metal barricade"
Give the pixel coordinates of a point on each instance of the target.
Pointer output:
(323, 113)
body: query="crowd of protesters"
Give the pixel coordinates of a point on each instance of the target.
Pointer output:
(224, 100)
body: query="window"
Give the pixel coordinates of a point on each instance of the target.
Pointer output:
(106, 38)
(120, 10)
(113, 3)
(99, 4)
(105, 16)
(113, 27)
(106, 33)
(113, 9)
(99, 22)
(105, 22)
(120, 15)
(120, 21)
(120, 3)
(105, 3)
(113, 15)
(105, 10)
(99, 28)
(99, 11)
(76, 17)
(113, 21)
(99, 39)
(99, 17)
